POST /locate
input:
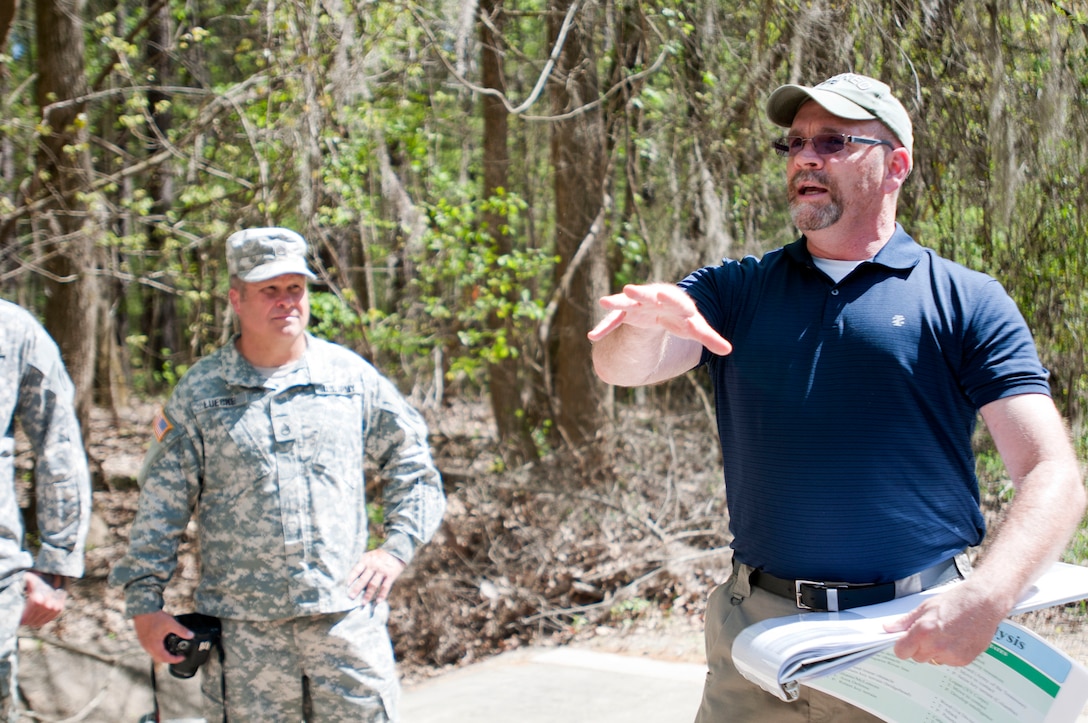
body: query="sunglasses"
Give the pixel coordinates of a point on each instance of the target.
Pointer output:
(825, 144)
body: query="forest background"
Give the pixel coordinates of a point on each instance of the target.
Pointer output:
(472, 177)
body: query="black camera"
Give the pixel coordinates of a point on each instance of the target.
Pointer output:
(205, 630)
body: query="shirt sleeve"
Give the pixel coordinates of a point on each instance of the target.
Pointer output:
(169, 486)
(413, 496)
(46, 411)
(1000, 358)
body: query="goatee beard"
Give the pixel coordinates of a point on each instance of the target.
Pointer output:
(810, 217)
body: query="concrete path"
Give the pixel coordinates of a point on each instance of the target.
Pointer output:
(545, 685)
(536, 685)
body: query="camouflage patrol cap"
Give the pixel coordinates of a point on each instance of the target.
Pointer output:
(847, 95)
(259, 254)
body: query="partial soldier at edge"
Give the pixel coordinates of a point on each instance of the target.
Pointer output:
(36, 392)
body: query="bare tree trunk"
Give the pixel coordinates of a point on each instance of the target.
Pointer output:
(160, 317)
(63, 172)
(578, 145)
(8, 10)
(507, 399)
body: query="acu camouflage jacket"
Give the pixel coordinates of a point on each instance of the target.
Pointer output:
(271, 473)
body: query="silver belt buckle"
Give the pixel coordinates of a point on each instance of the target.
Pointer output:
(797, 591)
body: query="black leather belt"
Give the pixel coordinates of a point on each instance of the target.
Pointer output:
(834, 596)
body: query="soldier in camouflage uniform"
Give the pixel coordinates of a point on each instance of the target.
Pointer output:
(262, 445)
(35, 390)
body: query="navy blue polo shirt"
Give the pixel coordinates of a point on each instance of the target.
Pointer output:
(846, 410)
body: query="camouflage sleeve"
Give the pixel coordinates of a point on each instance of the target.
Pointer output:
(169, 487)
(412, 486)
(62, 482)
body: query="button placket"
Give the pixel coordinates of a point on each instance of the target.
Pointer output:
(291, 487)
(833, 310)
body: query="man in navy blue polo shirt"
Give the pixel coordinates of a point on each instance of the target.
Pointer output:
(849, 368)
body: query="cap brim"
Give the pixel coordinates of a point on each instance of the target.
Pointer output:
(784, 103)
(264, 272)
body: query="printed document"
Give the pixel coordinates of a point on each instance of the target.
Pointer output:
(848, 655)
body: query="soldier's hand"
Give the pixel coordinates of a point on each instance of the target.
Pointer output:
(373, 577)
(152, 629)
(43, 602)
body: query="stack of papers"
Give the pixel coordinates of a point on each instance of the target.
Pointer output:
(1020, 678)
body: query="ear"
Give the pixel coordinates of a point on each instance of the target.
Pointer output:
(232, 295)
(900, 164)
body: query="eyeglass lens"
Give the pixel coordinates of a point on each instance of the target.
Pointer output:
(824, 144)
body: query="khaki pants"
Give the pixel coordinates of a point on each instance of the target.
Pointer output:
(728, 697)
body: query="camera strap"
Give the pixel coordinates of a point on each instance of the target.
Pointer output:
(222, 686)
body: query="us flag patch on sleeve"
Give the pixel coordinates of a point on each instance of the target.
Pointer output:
(160, 425)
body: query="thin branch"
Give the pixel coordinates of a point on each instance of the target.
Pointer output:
(621, 593)
(520, 109)
(581, 110)
(1069, 15)
(41, 271)
(537, 89)
(563, 287)
(124, 91)
(107, 68)
(219, 103)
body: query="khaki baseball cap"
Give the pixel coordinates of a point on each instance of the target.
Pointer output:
(260, 254)
(848, 95)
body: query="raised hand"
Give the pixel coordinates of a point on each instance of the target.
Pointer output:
(663, 306)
